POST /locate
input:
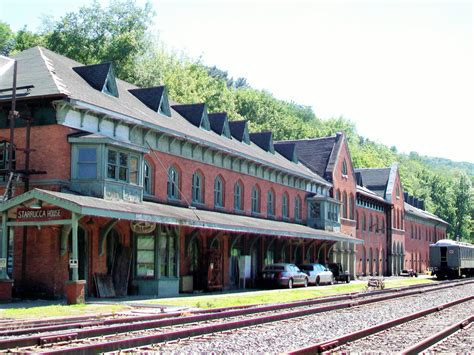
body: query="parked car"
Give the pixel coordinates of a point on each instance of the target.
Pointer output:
(318, 274)
(339, 273)
(283, 275)
(409, 273)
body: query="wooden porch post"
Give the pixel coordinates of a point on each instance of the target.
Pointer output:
(74, 256)
(4, 246)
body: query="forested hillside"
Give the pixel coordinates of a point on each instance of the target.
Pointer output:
(120, 33)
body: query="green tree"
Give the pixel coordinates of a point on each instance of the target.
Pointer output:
(6, 38)
(25, 39)
(95, 34)
(463, 205)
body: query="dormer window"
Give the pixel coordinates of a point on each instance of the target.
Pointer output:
(100, 76)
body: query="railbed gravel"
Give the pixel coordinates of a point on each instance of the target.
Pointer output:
(284, 336)
(461, 342)
(408, 334)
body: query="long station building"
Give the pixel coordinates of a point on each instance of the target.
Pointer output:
(111, 189)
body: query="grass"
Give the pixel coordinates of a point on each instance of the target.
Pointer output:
(276, 296)
(59, 311)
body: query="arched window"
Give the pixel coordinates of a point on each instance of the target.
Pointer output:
(344, 167)
(376, 224)
(338, 195)
(357, 220)
(297, 208)
(218, 192)
(255, 199)
(364, 226)
(371, 223)
(270, 203)
(147, 178)
(411, 231)
(351, 207)
(197, 187)
(383, 225)
(284, 205)
(238, 196)
(344, 204)
(173, 183)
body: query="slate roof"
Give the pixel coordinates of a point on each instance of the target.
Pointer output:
(237, 129)
(52, 75)
(95, 74)
(217, 121)
(192, 112)
(375, 179)
(173, 215)
(287, 149)
(262, 139)
(151, 97)
(366, 192)
(409, 209)
(316, 153)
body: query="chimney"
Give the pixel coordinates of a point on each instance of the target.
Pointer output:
(405, 196)
(421, 204)
(415, 202)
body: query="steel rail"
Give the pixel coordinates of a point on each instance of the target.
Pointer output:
(331, 344)
(438, 337)
(61, 324)
(112, 345)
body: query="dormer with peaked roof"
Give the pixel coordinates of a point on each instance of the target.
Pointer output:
(240, 130)
(155, 98)
(288, 150)
(195, 114)
(100, 76)
(219, 123)
(264, 140)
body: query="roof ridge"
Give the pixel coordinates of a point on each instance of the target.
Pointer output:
(306, 139)
(60, 85)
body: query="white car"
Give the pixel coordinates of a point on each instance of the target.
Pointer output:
(318, 274)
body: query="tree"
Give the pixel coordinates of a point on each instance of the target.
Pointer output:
(25, 39)
(115, 33)
(6, 37)
(463, 205)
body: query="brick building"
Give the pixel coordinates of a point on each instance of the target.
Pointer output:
(127, 192)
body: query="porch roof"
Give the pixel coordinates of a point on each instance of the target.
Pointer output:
(173, 215)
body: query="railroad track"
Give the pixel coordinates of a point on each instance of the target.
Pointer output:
(409, 334)
(129, 333)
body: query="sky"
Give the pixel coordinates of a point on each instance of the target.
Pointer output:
(402, 70)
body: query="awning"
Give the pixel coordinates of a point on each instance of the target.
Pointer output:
(173, 215)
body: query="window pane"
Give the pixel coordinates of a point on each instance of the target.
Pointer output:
(111, 171)
(134, 170)
(164, 255)
(112, 157)
(87, 155)
(145, 256)
(123, 159)
(86, 170)
(122, 173)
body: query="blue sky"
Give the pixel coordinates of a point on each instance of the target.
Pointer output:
(402, 70)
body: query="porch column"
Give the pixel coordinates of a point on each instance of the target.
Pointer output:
(75, 288)
(6, 285)
(74, 257)
(4, 247)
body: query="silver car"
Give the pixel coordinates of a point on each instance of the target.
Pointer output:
(318, 274)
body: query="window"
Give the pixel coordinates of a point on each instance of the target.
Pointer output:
(255, 199)
(297, 208)
(377, 224)
(218, 192)
(344, 204)
(284, 206)
(371, 223)
(147, 178)
(117, 166)
(270, 203)
(173, 183)
(397, 190)
(357, 220)
(197, 187)
(364, 226)
(145, 256)
(315, 211)
(344, 167)
(351, 207)
(383, 226)
(338, 195)
(87, 163)
(133, 170)
(238, 196)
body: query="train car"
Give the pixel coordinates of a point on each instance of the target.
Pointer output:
(451, 259)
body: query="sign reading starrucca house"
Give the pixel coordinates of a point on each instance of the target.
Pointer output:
(38, 215)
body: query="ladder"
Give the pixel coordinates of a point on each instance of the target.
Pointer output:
(13, 179)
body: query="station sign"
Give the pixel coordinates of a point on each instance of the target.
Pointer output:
(39, 215)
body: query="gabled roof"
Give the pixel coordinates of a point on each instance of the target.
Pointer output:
(155, 98)
(316, 153)
(239, 130)
(375, 179)
(194, 113)
(219, 123)
(287, 149)
(52, 75)
(264, 140)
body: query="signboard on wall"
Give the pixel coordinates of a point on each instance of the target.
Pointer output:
(39, 215)
(142, 227)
